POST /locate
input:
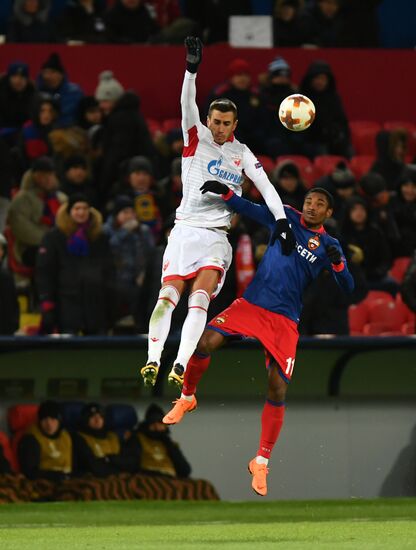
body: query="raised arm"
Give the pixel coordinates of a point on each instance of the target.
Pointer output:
(190, 113)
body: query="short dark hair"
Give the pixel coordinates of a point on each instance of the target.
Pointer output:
(224, 105)
(322, 191)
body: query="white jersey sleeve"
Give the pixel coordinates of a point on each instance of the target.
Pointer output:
(255, 171)
(190, 112)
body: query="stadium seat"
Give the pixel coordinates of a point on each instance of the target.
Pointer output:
(357, 318)
(307, 170)
(7, 450)
(13, 264)
(120, 418)
(399, 268)
(409, 325)
(299, 160)
(71, 414)
(380, 329)
(378, 296)
(19, 417)
(363, 136)
(171, 124)
(267, 164)
(154, 126)
(361, 164)
(327, 163)
(411, 133)
(387, 313)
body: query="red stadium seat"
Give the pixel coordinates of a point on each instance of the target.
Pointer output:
(411, 133)
(7, 450)
(361, 164)
(357, 318)
(380, 329)
(388, 314)
(171, 124)
(399, 268)
(363, 136)
(307, 170)
(267, 164)
(19, 417)
(154, 126)
(327, 163)
(409, 315)
(378, 296)
(299, 160)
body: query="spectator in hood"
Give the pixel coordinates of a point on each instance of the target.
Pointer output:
(83, 20)
(9, 306)
(403, 208)
(30, 22)
(153, 450)
(391, 156)
(329, 134)
(286, 178)
(53, 80)
(342, 186)
(129, 22)
(17, 96)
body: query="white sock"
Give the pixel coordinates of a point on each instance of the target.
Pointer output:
(187, 397)
(160, 320)
(262, 460)
(193, 326)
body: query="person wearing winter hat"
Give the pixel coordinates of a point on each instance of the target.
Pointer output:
(289, 184)
(74, 272)
(342, 185)
(153, 450)
(53, 80)
(76, 178)
(97, 450)
(30, 22)
(17, 96)
(108, 91)
(45, 451)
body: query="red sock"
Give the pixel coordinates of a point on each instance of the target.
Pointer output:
(197, 365)
(271, 423)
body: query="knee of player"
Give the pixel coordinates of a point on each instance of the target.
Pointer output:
(206, 343)
(277, 386)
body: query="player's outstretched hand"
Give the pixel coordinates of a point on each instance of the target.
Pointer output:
(284, 234)
(214, 186)
(333, 254)
(193, 47)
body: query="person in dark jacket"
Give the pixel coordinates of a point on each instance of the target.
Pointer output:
(97, 450)
(76, 179)
(251, 114)
(53, 80)
(403, 208)
(74, 272)
(17, 96)
(30, 22)
(325, 23)
(290, 27)
(391, 155)
(45, 451)
(329, 134)
(36, 131)
(358, 230)
(130, 21)
(153, 449)
(9, 306)
(408, 287)
(83, 20)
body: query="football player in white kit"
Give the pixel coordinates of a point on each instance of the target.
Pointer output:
(198, 253)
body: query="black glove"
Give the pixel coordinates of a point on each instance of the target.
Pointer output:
(285, 235)
(214, 186)
(193, 47)
(333, 254)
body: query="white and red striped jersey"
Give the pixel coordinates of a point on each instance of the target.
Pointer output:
(203, 160)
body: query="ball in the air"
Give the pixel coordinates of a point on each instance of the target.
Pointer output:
(297, 112)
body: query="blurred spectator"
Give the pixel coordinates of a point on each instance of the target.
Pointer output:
(9, 179)
(290, 27)
(403, 207)
(45, 451)
(169, 147)
(391, 155)
(153, 449)
(169, 190)
(89, 113)
(33, 209)
(9, 306)
(325, 23)
(124, 131)
(213, 16)
(36, 132)
(5, 467)
(251, 115)
(76, 179)
(275, 85)
(83, 21)
(368, 237)
(53, 80)
(360, 25)
(286, 178)
(130, 21)
(342, 186)
(96, 449)
(329, 134)
(30, 22)
(139, 185)
(17, 96)
(132, 247)
(74, 272)
(408, 288)
(174, 28)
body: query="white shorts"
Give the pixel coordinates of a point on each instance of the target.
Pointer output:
(192, 249)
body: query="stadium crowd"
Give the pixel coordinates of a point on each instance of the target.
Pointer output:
(89, 187)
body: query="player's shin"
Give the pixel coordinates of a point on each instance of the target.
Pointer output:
(160, 320)
(198, 364)
(271, 424)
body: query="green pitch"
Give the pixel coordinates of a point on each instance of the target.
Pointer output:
(312, 525)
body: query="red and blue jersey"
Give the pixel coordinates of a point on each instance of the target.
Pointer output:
(280, 280)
